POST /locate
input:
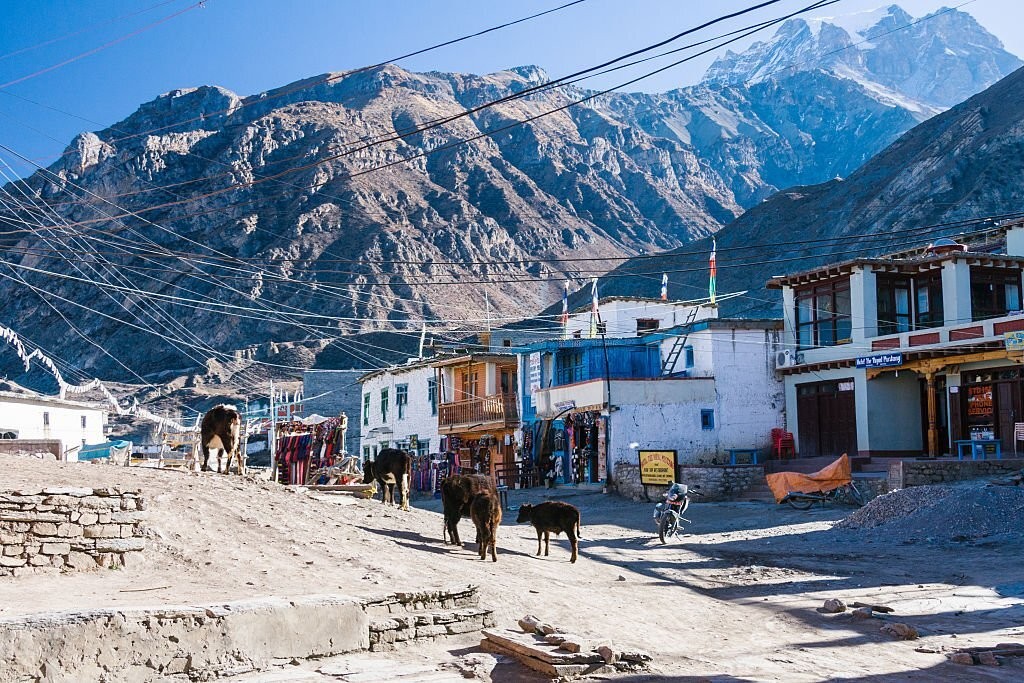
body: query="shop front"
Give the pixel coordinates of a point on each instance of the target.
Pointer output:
(990, 404)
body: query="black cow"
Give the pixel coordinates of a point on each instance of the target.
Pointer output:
(390, 467)
(457, 493)
(219, 431)
(485, 511)
(555, 516)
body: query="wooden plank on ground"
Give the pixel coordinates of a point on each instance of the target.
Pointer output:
(334, 487)
(532, 646)
(561, 671)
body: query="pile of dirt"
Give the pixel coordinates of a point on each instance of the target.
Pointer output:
(959, 513)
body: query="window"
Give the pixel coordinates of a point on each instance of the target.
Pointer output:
(470, 386)
(823, 314)
(384, 405)
(645, 325)
(366, 409)
(928, 297)
(893, 297)
(569, 366)
(506, 343)
(401, 399)
(366, 453)
(46, 419)
(602, 328)
(432, 394)
(8, 434)
(577, 334)
(707, 419)
(688, 350)
(423, 447)
(83, 422)
(994, 292)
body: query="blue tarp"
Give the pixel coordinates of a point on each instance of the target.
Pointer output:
(103, 450)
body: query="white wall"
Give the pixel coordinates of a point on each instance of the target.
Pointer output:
(620, 316)
(25, 416)
(419, 418)
(751, 400)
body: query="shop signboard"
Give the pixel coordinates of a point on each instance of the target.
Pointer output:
(657, 468)
(882, 360)
(602, 450)
(533, 366)
(1014, 341)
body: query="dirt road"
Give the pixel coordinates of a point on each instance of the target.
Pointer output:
(734, 600)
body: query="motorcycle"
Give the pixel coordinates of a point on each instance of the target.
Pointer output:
(668, 516)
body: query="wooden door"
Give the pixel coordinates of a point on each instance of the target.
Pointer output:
(1007, 412)
(808, 423)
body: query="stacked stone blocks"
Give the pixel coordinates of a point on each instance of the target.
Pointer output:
(68, 529)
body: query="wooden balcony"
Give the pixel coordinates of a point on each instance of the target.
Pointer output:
(500, 409)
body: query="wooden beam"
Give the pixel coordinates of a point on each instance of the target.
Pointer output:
(927, 365)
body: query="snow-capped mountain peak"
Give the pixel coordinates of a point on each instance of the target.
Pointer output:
(932, 62)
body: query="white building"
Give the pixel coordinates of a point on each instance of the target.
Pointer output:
(916, 352)
(699, 389)
(31, 417)
(399, 409)
(629, 316)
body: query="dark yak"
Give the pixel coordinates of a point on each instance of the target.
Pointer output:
(553, 516)
(219, 431)
(390, 467)
(457, 492)
(485, 511)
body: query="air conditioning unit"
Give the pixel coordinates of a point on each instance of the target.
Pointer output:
(785, 359)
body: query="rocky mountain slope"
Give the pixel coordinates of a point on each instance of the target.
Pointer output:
(956, 168)
(204, 196)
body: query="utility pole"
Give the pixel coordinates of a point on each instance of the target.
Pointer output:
(271, 435)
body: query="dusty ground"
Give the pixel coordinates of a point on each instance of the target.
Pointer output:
(734, 600)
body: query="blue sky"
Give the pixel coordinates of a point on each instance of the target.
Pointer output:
(253, 45)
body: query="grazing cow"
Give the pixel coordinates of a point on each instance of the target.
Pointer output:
(485, 512)
(219, 431)
(390, 467)
(457, 493)
(553, 516)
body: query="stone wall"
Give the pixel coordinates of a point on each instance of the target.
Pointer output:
(206, 642)
(68, 529)
(407, 617)
(723, 482)
(906, 473)
(717, 482)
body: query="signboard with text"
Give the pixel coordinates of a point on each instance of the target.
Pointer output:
(883, 360)
(657, 467)
(1014, 341)
(533, 372)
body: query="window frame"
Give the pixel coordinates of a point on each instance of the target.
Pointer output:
(689, 358)
(570, 366)
(432, 394)
(644, 325)
(384, 401)
(825, 325)
(887, 299)
(707, 419)
(366, 408)
(401, 400)
(999, 280)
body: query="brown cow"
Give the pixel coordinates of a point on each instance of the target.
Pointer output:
(457, 493)
(219, 431)
(485, 511)
(556, 516)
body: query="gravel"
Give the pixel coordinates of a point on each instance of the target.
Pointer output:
(939, 513)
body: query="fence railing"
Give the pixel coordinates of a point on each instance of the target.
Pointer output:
(498, 407)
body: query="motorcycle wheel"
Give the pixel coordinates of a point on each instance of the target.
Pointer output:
(799, 502)
(667, 528)
(854, 495)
